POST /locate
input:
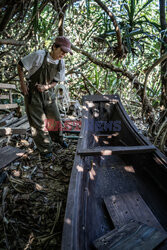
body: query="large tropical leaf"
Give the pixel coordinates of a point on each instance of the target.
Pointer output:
(143, 7)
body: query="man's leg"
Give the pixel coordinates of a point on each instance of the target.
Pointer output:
(37, 120)
(53, 117)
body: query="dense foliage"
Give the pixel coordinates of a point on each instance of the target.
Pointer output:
(116, 47)
(115, 43)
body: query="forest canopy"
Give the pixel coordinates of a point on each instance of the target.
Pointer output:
(119, 47)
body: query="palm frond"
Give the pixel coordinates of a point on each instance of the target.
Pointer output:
(88, 7)
(143, 7)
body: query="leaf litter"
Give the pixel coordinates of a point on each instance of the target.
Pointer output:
(33, 197)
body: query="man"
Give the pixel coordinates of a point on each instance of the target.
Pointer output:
(44, 71)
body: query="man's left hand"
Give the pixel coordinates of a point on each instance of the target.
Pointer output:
(41, 87)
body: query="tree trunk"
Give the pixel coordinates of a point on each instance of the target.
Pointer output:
(163, 103)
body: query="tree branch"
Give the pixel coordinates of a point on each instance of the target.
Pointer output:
(61, 24)
(117, 29)
(11, 42)
(89, 82)
(10, 79)
(107, 65)
(28, 32)
(76, 67)
(7, 16)
(137, 84)
(161, 59)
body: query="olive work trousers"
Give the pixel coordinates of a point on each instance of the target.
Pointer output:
(41, 110)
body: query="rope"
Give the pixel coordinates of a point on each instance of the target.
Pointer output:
(62, 98)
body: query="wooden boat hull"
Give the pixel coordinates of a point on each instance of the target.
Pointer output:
(118, 176)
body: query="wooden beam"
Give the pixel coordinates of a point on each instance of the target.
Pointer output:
(3, 140)
(2, 97)
(10, 123)
(9, 154)
(8, 106)
(117, 150)
(10, 131)
(123, 207)
(6, 117)
(20, 121)
(7, 86)
(10, 96)
(25, 126)
(133, 235)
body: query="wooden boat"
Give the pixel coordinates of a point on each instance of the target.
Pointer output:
(117, 197)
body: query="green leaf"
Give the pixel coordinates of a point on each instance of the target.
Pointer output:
(126, 7)
(135, 32)
(132, 10)
(147, 21)
(144, 6)
(107, 33)
(88, 8)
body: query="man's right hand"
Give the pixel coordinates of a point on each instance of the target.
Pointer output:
(24, 89)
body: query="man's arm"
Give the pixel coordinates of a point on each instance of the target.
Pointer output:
(23, 85)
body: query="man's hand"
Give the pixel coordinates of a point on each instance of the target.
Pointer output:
(41, 87)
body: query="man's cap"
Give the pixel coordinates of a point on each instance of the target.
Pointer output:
(64, 44)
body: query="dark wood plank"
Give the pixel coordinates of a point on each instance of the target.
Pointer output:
(71, 131)
(134, 235)
(9, 154)
(116, 150)
(25, 126)
(8, 106)
(10, 95)
(130, 125)
(10, 122)
(130, 206)
(6, 117)
(102, 98)
(103, 135)
(10, 131)
(20, 121)
(3, 97)
(7, 86)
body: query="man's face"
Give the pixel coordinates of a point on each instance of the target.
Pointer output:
(58, 53)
